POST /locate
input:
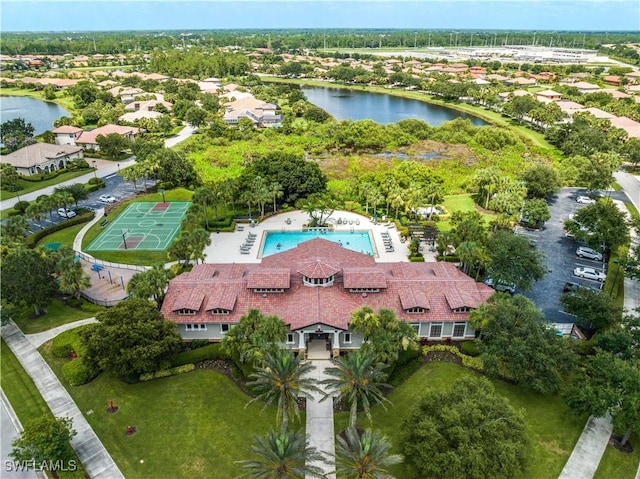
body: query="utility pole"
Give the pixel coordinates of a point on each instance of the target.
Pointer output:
(415, 40)
(429, 40)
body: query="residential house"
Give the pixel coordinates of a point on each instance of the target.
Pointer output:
(88, 139)
(632, 127)
(315, 288)
(259, 112)
(614, 80)
(548, 96)
(133, 116)
(66, 134)
(42, 158)
(583, 86)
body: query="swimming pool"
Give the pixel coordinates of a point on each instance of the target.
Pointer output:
(277, 241)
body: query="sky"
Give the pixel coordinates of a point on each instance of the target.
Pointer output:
(102, 15)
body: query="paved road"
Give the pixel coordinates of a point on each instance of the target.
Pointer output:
(10, 427)
(94, 457)
(631, 186)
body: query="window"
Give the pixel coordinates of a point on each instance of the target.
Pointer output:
(436, 330)
(459, 330)
(364, 290)
(268, 290)
(224, 328)
(289, 338)
(318, 281)
(220, 311)
(186, 312)
(416, 328)
(347, 338)
(195, 327)
(464, 309)
(415, 310)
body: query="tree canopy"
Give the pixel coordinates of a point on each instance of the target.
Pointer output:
(45, 439)
(512, 260)
(132, 338)
(465, 432)
(254, 337)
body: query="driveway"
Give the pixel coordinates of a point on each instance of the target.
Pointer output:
(560, 257)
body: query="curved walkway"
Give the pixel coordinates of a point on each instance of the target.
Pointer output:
(92, 454)
(38, 339)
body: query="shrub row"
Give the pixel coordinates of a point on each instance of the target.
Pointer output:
(165, 373)
(33, 239)
(467, 361)
(76, 371)
(470, 348)
(48, 176)
(212, 351)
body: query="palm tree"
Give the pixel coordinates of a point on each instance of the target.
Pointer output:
(277, 192)
(357, 379)
(71, 277)
(204, 196)
(365, 455)
(280, 380)
(36, 212)
(284, 455)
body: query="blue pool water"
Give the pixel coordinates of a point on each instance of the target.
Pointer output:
(276, 241)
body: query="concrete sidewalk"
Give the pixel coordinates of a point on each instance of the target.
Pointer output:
(38, 339)
(588, 451)
(320, 433)
(92, 454)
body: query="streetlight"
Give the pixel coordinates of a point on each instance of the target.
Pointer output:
(161, 191)
(118, 168)
(94, 169)
(124, 239)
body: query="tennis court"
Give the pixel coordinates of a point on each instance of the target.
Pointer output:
(142, 226)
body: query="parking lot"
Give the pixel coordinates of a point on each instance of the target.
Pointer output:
(561, 259)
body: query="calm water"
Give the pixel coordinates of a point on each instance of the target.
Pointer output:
(277, 242)
(41, 114)
(358, 105)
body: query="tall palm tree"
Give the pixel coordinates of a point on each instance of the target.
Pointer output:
(357, 379)
(71, 277)
(364, 455)
(276, 190)
(280, 380)
(205, 197)
(284, 455)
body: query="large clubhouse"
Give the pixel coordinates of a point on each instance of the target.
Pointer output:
(315, 287)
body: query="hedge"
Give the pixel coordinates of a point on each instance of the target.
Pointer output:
(77, 372)
(66, 342)
(467, 361)
(33, 239)
(165, 373)
(212, 351)
(470, 348)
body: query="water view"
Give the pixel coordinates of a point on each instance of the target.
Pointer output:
(41, 114)
(279, 241)
(346, 104)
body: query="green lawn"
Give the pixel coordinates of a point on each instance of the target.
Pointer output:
(29, 186)
(193, 425)
(462, 203)
(552, 428)
(57, 315)
(64, 236)
(24, 396)
(619, 465)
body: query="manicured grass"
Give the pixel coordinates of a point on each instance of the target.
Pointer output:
(461, 203)
(552, 429)
(57, 315)
(64, 236)
(19, 388)
(619, 465)
(29, 186)
(25, 397)
(192, 425)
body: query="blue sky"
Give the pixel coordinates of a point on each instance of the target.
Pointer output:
(82, 15)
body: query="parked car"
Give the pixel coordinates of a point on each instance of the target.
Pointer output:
(590, 273)
(107, 199)
(570, 286)
(66, 213)
(585, 200)
(501, 286)
(584, 252)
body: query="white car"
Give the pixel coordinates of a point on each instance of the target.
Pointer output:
(66, 213)
(107, 199)
(585, 200)
(590, 273)
(584, 252)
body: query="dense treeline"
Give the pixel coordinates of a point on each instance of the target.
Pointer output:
(289, 40)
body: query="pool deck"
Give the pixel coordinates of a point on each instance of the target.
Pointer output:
(225, 247)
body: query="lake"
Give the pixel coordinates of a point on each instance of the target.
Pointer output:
(345, 104)
(41, 114)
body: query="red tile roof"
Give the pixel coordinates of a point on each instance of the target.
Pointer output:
(438, 287)
(319, 269)
(269, 278)
(367, 278)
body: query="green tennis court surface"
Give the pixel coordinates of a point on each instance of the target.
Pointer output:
(142, 226)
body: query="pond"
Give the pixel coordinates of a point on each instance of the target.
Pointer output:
(41, 114)
(345, 104)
